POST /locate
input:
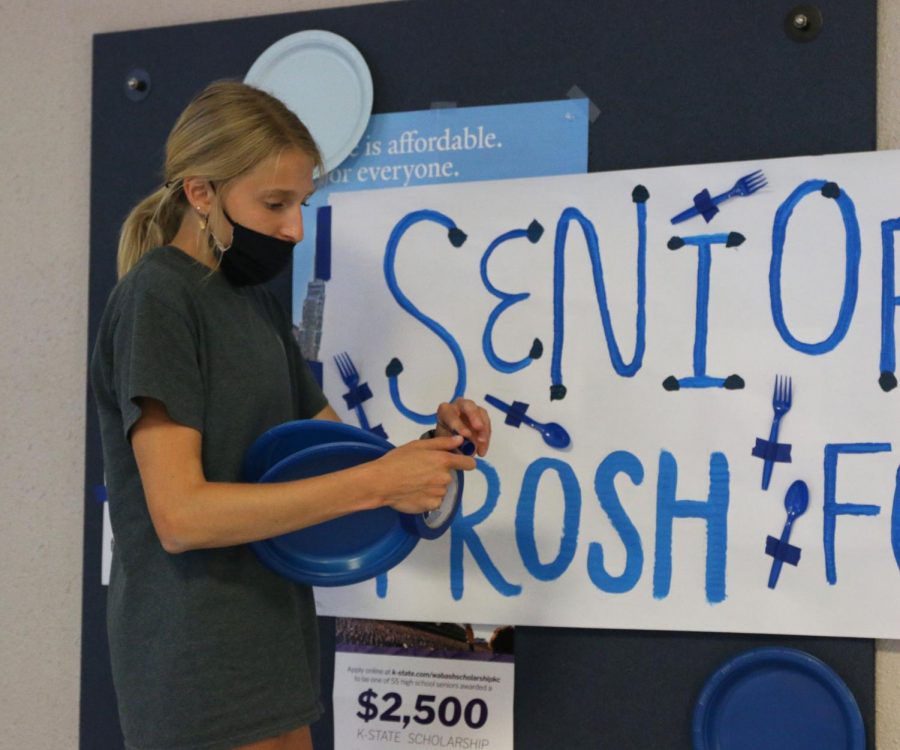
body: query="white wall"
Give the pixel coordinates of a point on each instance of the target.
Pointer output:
(887, 660)
(45, 100)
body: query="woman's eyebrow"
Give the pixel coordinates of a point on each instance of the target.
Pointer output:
(280, 192)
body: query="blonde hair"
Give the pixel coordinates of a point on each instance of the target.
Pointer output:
(224, 132)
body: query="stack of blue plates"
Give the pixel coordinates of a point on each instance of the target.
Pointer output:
(351, 548)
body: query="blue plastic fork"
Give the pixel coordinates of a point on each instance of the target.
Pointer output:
(781, 404)
(350, 376)
(747, 185)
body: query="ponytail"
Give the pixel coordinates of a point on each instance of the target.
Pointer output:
(151, 223)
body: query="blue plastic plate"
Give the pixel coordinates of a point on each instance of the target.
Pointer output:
(291, 437)
(777, 699)
(348, 549)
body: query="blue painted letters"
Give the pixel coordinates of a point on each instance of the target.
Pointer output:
(620, 462)
(832, 508)
(714, 511)
(889, 302)
(700, 379)
(457, 238)
(533, 233)
(525, 518)
(557, 389)
(462, 534)
(851, 273)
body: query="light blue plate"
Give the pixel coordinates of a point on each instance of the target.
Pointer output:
(324, 79)
(777, 699)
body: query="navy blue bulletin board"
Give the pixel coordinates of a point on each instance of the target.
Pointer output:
(674, 82)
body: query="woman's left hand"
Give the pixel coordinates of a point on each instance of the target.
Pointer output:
(466, 418)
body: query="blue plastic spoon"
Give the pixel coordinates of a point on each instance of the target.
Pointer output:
(796, 502)
(554, 434)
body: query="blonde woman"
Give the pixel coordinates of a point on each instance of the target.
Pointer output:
(209, 649)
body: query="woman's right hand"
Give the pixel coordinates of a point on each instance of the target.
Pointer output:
(414, 477)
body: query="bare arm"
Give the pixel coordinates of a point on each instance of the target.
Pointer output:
(189, 512)
(328, 413)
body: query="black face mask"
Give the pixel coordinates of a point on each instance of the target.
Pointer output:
(253, 257)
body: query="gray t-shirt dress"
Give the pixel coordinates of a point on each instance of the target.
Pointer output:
(209, 649)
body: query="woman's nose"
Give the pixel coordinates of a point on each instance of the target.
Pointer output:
(292, 229)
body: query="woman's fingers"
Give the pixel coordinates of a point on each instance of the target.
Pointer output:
(442, 442)
(468, 419)
(421, 471)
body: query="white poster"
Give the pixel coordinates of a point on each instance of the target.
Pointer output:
(575, 300)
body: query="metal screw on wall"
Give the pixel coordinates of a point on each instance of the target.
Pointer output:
(137, 84)
(803, 23)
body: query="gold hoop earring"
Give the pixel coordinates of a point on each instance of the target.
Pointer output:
(201, 217)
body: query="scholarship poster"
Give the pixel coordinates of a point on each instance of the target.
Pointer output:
(656, 345)
(435, 685)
